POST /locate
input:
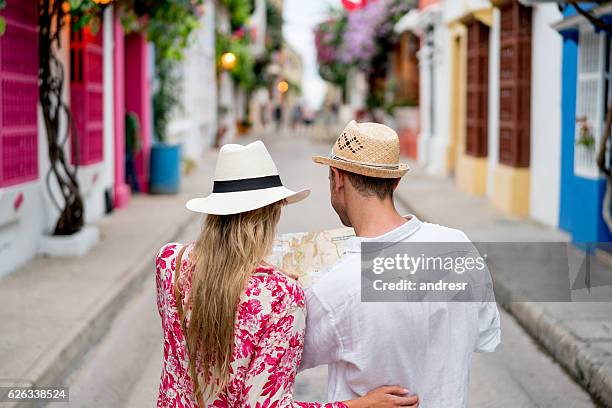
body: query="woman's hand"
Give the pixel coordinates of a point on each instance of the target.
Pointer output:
(391, 396)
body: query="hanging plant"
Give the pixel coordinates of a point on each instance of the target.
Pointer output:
(168, 24)
(585, 133)
(238, 44)
(274, 28)
(240, 11)
(329, 40)
(368, 36)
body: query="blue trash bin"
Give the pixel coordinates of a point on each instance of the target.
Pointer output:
(165, 168)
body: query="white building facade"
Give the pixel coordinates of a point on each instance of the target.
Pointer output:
(194, 124)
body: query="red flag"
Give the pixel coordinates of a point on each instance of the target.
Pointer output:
(351, 5)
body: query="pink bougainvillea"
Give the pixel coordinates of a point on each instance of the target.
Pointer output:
(357, 37)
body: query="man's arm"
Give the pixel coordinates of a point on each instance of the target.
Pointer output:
(489, 328)
(321, 343)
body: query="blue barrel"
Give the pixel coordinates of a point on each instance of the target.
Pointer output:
(165, 168)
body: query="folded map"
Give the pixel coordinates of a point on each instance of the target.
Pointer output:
(309, 254)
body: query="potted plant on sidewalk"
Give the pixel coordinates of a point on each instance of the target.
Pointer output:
(165, 165)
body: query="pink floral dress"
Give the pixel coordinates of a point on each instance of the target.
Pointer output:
(269, 337)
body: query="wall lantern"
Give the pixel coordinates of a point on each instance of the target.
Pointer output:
(228, 61)
(282, 87)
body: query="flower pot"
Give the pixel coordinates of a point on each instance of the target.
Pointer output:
(165, 168)
(75, 245)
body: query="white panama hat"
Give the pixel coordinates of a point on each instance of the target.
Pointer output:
(246, 179)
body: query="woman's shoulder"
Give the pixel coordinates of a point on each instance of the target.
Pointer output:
(166, 255)
(270, 280)
(165, 261)
(171, 250)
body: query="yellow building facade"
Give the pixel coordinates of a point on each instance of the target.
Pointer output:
(488, 150)
(469, 166)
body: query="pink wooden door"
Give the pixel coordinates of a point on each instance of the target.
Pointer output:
(19, 93)
(86, 95)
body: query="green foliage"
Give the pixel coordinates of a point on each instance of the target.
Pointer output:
(329, 39)
(335, 72)
(274, 29)
(85, 13)
(244, 70)
(375, 100)
(294, 87)
(167, 23)
(585, 135)
(166, 98)
(239, 10)
(273, 43)
(2, 20)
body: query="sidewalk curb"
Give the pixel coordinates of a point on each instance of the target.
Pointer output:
(59, 361)
(584, 363)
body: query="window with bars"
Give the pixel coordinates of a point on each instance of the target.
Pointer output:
(19, 94)
(593, 90)
(515, 84)
(477, 89)
(86, 95)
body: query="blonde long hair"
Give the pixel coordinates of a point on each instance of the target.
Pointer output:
(227, 252)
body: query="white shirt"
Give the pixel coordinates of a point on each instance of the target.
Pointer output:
(423, 346)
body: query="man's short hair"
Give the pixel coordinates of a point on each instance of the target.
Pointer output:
(372, 186)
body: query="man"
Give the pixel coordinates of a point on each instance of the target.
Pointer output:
(423, 346)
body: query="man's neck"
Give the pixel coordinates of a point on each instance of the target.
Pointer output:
(373, 218)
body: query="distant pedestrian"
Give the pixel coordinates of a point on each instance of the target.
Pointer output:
(132, 148)
(278, 116)
(296, 116)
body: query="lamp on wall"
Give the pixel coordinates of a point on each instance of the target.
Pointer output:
(103, 3)
(282, 87)
(228, 61)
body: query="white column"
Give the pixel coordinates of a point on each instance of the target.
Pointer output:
(426, 102)
(438, 149)
(493, 141)
(546, 51)
(108, 99)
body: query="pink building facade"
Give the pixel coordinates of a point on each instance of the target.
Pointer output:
(138, 99)
(27, 212)
(132, 93)
(19, 94)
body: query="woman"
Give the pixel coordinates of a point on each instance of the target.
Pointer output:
(244, 320)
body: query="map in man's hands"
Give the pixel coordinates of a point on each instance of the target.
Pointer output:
(308, 254)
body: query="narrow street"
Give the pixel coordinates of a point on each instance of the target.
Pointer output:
(123, 369)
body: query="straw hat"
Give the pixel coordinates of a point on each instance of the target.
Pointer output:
(369, 149)
(246, 178)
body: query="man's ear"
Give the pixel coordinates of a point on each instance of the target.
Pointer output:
(338, 178)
